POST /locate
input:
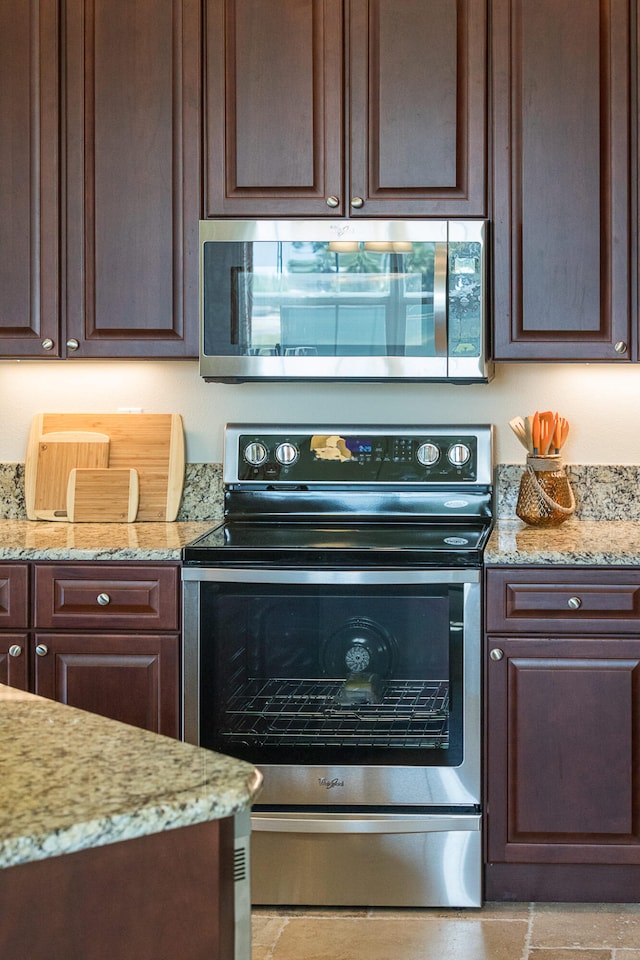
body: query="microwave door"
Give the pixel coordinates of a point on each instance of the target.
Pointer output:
(417, 311)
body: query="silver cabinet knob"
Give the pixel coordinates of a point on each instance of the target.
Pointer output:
(333, 202)
(104, 599)
(15, 650)
(48, 344)
(496, 653)
(73, 344)
(42, 649)
(620, 347)
(574, 603)
(357, 202)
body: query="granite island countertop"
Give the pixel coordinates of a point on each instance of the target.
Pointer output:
(584, 542)
(44, 540)
(72, 780)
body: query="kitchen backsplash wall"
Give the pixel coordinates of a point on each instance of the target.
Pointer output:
(601, 402)
(601, 492)
(201, 498)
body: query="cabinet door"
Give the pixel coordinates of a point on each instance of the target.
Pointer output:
(132, 678)
(563, 751)
(29, 165)
(14, 659)
(561, 94)
(418, 79)
(14, 595)
(273, 107)
(132, 185)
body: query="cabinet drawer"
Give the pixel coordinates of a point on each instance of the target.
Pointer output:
(535, 600)
(122, 596)
(14, 596)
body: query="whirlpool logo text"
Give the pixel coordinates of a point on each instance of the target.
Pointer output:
(330, 784)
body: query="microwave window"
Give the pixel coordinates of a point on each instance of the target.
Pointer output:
(337, 298)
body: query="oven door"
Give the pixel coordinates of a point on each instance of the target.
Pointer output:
(344, 687)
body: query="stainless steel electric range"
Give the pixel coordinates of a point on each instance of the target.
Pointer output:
(332, 630)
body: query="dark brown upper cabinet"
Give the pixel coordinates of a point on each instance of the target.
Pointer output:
(331, 108)
(561, 191)
(29, 177)
(100, 211)
(132, 186)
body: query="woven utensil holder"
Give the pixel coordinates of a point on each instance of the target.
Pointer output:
(545, 498)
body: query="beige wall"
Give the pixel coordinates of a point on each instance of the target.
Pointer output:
(602, 403)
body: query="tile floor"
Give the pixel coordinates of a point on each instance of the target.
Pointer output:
(498, 931)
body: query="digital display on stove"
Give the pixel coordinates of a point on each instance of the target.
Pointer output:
(359, 445)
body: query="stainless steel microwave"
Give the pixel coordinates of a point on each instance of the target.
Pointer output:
(343, 300)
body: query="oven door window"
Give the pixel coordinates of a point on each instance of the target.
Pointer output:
(328, 674)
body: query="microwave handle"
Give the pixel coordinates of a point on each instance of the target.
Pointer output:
(440, 299)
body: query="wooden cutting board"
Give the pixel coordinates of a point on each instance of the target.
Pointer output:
(53, 456)
(150, 443)
(107, 495)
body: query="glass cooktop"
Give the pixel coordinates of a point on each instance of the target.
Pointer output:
(339, 543)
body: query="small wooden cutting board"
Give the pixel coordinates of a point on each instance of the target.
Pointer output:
(107, 495)
(53, 456)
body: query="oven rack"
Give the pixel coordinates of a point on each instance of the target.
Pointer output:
(302, 712)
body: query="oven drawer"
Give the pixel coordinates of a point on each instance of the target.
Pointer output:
(531, 600)
(120, 595)
(368, 860)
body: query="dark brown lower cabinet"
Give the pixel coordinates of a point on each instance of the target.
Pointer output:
(161, 897)
(563, 738)
(133, 679)
(103, 637)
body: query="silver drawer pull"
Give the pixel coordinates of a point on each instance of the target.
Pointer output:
(15, 650)
(574, 603)
(496, 653)
(42, 649)
(104, 599)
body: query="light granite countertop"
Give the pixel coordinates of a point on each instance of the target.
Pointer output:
(593, 542)
(70, 780)
(43, 540)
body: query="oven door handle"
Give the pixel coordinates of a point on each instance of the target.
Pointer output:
(363, 822)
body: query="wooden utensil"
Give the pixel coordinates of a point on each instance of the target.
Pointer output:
(102, 495)
(518, 427)
(528, 427)
(51, 455)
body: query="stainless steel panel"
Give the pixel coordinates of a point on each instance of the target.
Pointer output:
(425, 231)
(442, 868)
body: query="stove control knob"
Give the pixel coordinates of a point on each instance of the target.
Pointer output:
(427, 454)
(255, 453)
(286, 454)
(458, 454)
